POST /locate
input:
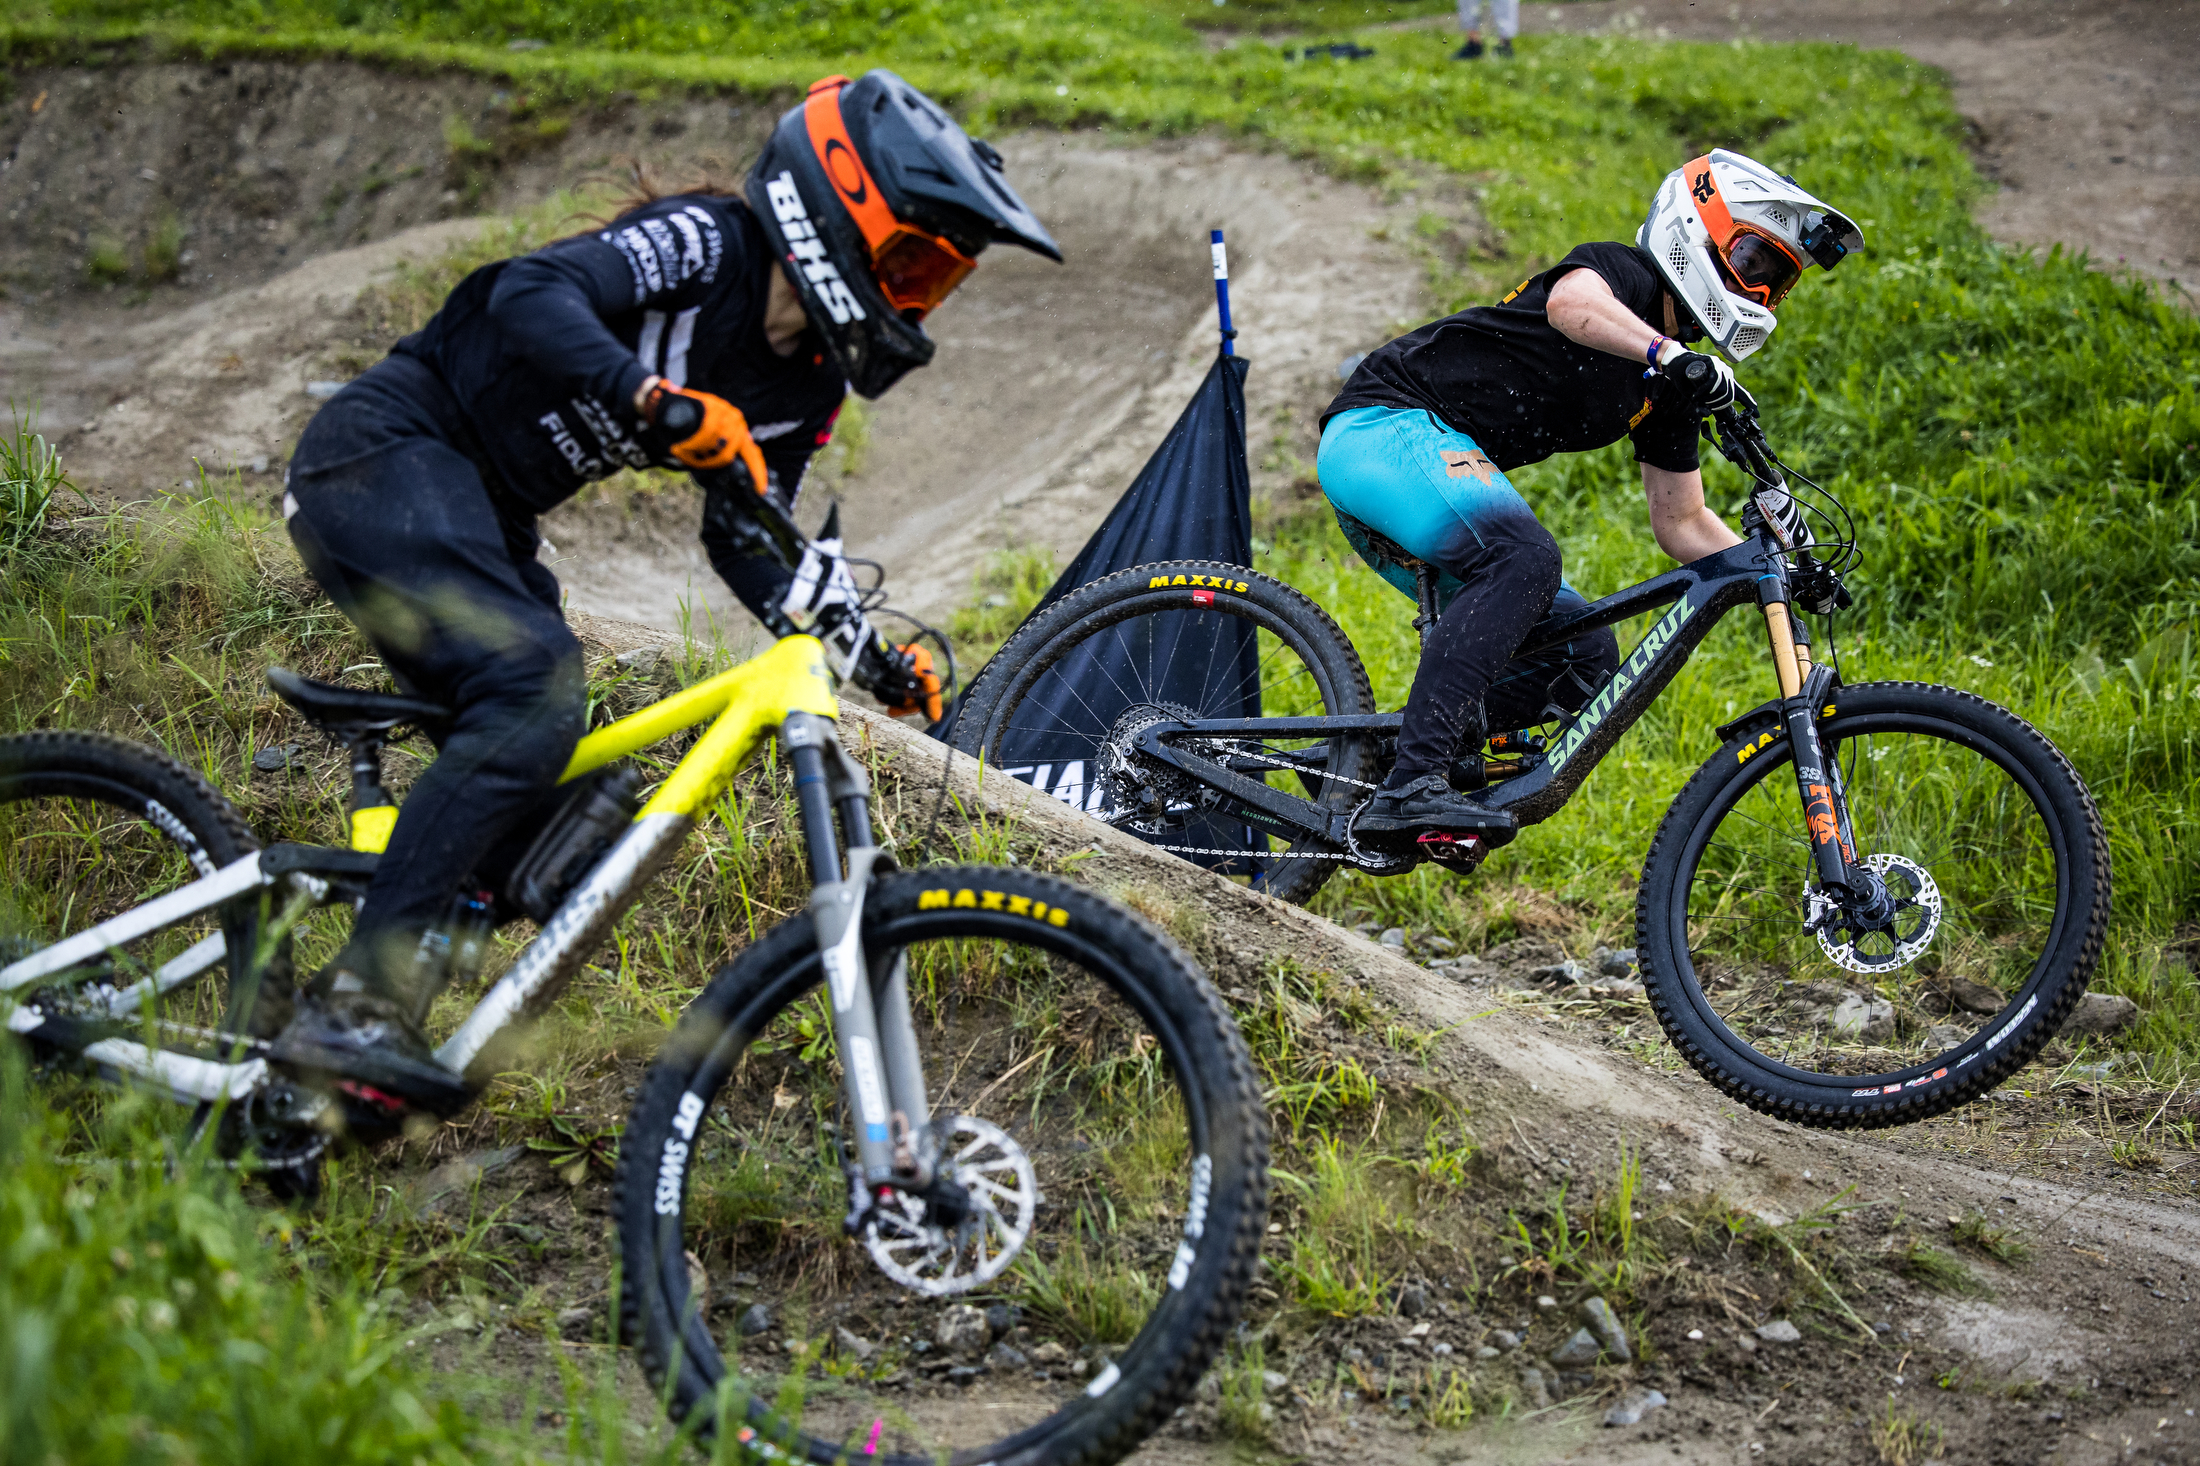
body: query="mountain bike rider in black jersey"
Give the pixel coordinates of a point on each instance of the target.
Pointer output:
(1415, 450)
(413, 494)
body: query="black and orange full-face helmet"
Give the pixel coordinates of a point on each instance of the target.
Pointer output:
(878, 206)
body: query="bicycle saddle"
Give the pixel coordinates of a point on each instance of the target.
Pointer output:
(347, 712)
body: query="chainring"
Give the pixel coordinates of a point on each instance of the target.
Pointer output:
(938, 1261)
(1907, 931)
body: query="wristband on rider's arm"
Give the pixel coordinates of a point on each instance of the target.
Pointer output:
(1657, 344)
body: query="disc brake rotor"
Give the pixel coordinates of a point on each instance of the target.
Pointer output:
(938, 1261)
(1885, 945)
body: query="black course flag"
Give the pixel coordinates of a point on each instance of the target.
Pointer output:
(1192, 501)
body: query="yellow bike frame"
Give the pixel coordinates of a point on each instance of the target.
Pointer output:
(748, 702)
(744, 706)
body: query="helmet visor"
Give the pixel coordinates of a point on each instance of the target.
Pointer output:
(1764, 269)
(916, 271)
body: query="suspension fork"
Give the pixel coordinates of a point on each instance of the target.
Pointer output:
(874, 1030)
(1804, 688)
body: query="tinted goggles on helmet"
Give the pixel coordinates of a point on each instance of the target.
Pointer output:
(1763, 268)
(916, 271)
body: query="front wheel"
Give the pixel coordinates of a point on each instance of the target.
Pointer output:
(1100, 1111)
(1997, 878)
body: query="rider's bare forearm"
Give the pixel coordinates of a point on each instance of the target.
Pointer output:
(1583, 308)
(1686, 527)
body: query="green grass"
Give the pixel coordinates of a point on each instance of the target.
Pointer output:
(2017, 436)
(152, 1315)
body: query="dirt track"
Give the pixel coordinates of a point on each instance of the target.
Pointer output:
(299, 188)
(2088, 111)
(957, 466)
(2105, 1316)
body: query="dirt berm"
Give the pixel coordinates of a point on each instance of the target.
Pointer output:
(2072, 1357)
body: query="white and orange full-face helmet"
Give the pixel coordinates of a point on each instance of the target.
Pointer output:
(1731, 237)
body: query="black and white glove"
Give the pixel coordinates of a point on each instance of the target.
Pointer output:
(1779, 509)
(1704, 382)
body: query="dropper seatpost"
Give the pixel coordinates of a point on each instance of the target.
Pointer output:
(1222, 288)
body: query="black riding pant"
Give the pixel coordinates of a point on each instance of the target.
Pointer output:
(402, 524)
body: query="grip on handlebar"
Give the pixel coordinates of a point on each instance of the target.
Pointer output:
(680, 417)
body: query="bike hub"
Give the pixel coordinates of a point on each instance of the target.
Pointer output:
(1885, 926)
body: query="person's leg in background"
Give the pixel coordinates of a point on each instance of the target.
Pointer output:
(1437, 496)
(1470, 21)
(401, 531)
(1505, 20)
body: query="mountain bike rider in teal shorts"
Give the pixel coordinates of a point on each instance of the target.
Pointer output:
(1417, 445)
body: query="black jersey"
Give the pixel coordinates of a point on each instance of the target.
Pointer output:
(544, 352)
(1507, 378)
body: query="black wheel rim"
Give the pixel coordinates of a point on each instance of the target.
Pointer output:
(2005, 908)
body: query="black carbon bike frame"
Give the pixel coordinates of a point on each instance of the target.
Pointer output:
(1700, 593)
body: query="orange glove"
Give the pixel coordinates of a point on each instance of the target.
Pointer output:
(721, 438)
(927, 700)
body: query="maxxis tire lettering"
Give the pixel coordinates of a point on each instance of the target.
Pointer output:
(1226, 1211)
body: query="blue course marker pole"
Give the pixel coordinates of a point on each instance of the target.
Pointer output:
(1222, 288)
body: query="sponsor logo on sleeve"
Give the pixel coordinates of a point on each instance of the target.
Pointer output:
(617, 444)
(667, 245)
(569, 446)
(714, 243)
(642, 259)
(695, 259)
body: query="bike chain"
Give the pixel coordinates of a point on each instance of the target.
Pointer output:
(1349, 857)
(170, 1028)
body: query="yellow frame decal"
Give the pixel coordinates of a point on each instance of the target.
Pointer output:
(747, 702)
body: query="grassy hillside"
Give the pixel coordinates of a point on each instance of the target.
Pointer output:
(2016, 436)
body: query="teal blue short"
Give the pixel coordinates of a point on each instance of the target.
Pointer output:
(1426, 488)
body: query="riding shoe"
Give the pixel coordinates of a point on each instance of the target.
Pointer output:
(1428, 803)
(370, 1039)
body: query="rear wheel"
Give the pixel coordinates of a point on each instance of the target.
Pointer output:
(1063, 701)
(1996, 875)
(91, 826)
(1103, 1119)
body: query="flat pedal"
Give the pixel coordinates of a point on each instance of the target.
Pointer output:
(1457, 853)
